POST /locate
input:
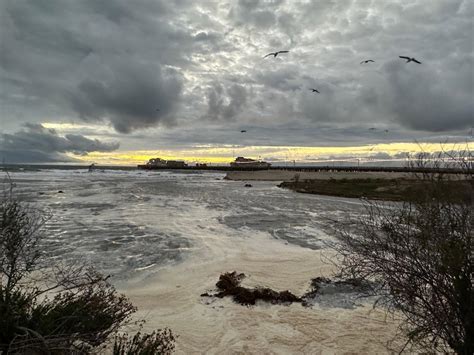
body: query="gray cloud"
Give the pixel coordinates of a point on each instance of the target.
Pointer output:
(138, 97)
(422, 98)
(39, 144)
(108, 61)
(200, 64)
(254, 12)
(225, 103)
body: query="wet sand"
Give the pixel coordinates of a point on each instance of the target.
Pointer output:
(165, 238)
(223, 327)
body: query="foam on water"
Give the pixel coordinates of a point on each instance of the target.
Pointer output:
(166, 236)
(126, 221)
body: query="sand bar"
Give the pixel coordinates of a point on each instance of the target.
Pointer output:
(286, 175)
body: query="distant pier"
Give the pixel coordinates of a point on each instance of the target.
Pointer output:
(310, 169)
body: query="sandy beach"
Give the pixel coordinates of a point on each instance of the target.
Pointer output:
(219, 326)
(166, 237)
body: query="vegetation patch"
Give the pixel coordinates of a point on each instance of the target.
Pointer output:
(376, 189)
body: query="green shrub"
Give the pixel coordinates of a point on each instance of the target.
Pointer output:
(158, 342)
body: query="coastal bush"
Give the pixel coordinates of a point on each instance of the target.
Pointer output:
(158, 342)
(53, 308)
(419, 258)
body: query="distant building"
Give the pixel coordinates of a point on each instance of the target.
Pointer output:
(162, 163)
(156, 162)
(241, 162)
(176, 164)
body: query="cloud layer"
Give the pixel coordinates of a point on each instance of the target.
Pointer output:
(199, 66)
(38, 144)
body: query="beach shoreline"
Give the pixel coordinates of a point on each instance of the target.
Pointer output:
(286, 175)
(171, 298)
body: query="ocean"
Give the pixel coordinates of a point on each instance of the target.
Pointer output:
(164, 238)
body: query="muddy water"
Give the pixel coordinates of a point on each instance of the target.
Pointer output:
(165, 238)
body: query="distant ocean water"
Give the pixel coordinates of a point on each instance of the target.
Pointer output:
(164, 237)
(127, 221)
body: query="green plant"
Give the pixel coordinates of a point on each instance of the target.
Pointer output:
(158, 342)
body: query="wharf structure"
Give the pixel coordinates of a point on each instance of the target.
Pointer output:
(245, 164)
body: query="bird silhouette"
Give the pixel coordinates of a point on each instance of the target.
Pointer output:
(314, 90)
(372, 129)
(409, 59)
(243, 131)
(367, 61)
(274, 54)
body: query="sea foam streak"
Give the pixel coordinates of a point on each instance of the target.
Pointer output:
(165, 238)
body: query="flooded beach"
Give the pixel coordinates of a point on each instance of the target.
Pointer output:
(164, 237)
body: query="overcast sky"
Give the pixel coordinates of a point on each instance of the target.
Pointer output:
(108, 76)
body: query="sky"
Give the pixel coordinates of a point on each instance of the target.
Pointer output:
(119, 82)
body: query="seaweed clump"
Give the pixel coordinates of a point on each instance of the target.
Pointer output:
(229, 284)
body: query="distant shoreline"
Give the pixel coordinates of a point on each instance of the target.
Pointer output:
(16, 167)
(273, 173)
(288, 175)
(369, 185)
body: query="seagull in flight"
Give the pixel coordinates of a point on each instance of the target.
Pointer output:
(367, 61)
(409, 59)
(314, 90)
(274, 54)
(243, 131)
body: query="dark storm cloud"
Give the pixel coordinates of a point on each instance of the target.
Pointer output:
(104, 61)
(39, 144)
(139, 97)
(188, 66)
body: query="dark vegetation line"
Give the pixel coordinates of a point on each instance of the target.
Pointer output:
(377, 189)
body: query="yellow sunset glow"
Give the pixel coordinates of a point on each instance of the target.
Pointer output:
(226, 154)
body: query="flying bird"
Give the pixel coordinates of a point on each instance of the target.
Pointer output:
(314, 90)
(409, 59)
(243, 131)
(367, 61)
(371, 129)
(274, 54)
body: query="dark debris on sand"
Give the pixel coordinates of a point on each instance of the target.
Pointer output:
(229, 285)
